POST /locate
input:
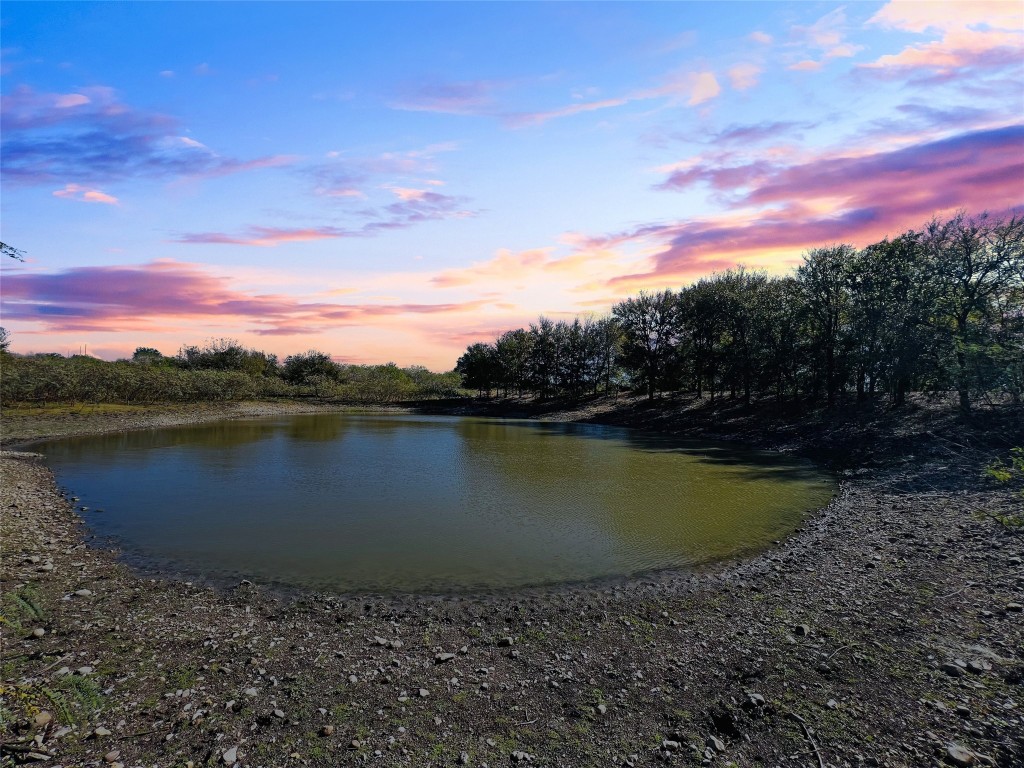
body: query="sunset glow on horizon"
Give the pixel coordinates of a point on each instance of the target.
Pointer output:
(393, 181)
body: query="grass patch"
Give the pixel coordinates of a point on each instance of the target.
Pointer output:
(23, 605)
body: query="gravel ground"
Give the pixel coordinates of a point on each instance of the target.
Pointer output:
(887, 631)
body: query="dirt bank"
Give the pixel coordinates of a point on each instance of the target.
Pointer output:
(887, 631)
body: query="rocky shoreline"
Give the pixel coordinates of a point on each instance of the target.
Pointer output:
(886, 631)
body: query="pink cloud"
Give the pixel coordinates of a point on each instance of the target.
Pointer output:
(704, 88)
(974, 36)
(506, 265)
(65, 101)
(805, 66)
(264, 237)
(783, 209)
(744, 76)
(84, 194)
(760, 37)
(148, 296)
(912, 16)
(406, 193)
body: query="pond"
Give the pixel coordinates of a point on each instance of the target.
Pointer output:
(350, 502)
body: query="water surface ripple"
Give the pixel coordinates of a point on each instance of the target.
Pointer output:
(409, 503)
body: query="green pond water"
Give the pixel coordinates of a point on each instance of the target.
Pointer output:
(417, 503)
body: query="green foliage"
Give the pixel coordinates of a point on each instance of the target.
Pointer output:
(931, 311)
(21, 604)
(150, 377)
(1009, 470)
(226, 355)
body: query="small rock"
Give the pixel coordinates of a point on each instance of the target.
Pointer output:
(670, 746)
(521, 757)
(101, 732)
(978, 666)
(832, 704)
(230, 757)
(716, 744)
(505, 642)
(84, 671)
(251, 692)
(1014, 607)
(353, 679)
(38, 632)
(278, 713)
(602, 709)
(951, 669)
(441, 658)
(424, 693)
(327, 730)
(42, 719)
(958, 755)
(464, 758)
(111, 757)
(355, 744)
(83, 593)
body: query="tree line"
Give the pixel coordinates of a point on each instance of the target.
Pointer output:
(938, 309)
(223, 369)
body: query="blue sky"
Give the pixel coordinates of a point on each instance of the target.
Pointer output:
(389, 181)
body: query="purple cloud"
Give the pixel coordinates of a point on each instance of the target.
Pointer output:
(89, 136)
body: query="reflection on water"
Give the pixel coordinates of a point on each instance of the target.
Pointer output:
(338, 501)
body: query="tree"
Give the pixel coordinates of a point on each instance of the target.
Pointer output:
(890, 301)
(5, 340)
(512, 350)
(976, 263)
(650, 327)
(544, 356)
(479, 368)
(10, 250)
(309, 368)
(823, 277)
(702, 318)
(148, 356)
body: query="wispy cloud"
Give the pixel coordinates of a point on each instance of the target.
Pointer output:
(84, 194)
(344, 174)
(92, 137)
(691, 88)
(406, 212)
(748, 134)
(471, 97)
(821, 41)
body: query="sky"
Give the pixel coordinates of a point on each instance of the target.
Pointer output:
(393, 181)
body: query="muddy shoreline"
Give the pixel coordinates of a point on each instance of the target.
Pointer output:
(836, 647)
